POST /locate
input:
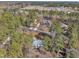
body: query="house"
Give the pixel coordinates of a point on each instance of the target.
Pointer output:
(37, 43)
(45, 23)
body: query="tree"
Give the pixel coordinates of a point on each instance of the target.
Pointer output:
(30, 18)
(73, 42)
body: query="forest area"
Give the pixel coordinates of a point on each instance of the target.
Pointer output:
(60, 39)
